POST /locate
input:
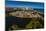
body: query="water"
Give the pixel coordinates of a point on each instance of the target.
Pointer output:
(40, 10)
(17, 20)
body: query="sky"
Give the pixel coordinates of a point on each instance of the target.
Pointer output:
(28, 0)
(24, 4)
